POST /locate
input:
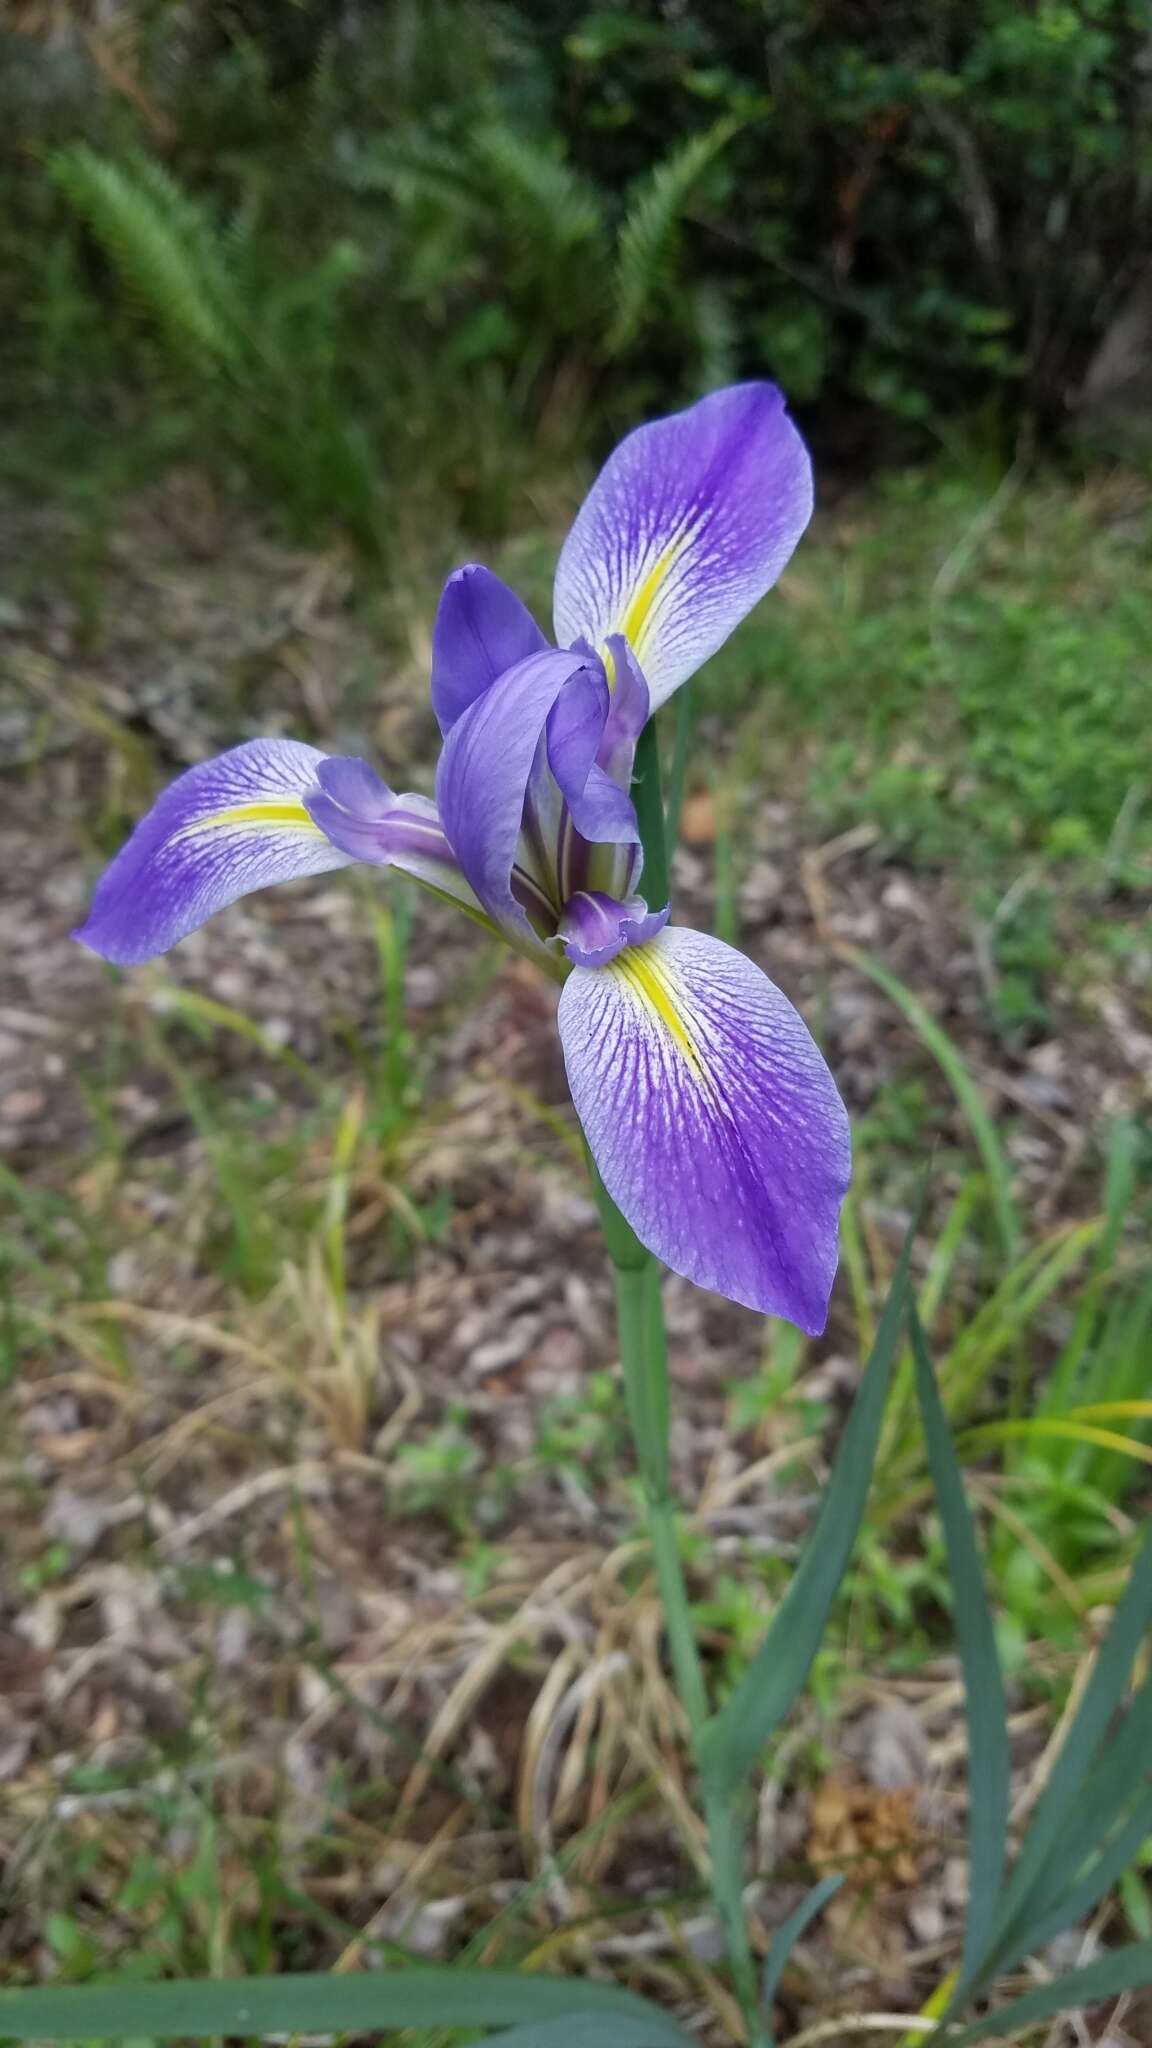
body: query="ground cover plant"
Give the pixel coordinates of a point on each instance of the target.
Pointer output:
(330, 1638)
(337, 1383)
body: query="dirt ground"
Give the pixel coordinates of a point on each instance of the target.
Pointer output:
(218, 1569)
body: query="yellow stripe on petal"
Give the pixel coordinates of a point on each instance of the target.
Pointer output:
(644, 972)
(638, 615)
(290, 812)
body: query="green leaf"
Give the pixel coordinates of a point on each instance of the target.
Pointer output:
(788, 1934)
(1121, 1776)
(986, 1709)
(585, 2032)
(382, 1999)
(1061, 1794)
(1081, 1899)
(1124, 1969)
(967, 1094)
(646, 795)
(734, 1737)
(648, 237)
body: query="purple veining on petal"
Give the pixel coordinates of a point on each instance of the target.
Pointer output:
(713, 1119)
(596, 927)
(222, 829)
(481, 631)
(689, 523)
(595, 810)
(628, 713)
(362, 816)
(482, 781)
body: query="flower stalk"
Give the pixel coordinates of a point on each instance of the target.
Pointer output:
(644, 1359)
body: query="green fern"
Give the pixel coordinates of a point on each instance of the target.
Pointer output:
(715, 339)
(647, 242)
(544, 202)
(164, 248)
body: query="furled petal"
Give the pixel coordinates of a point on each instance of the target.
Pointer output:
(481, 630)
(483, 774)
(226, 827)
(596, 927)
(688, 524)
(362, 816)
(714, 1122)
(601, 810)
(628, 714)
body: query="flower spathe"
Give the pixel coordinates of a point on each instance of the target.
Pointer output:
(711, 1115)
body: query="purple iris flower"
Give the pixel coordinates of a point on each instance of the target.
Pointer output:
(710, 1113)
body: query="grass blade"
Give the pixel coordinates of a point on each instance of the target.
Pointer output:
(587, 2032)
(964, 1088)
(381, 1999)
(1124, 1969)
(788, 1934)
(986, 1709)
(1101, 1698)
(734, 1737)
(1082, 1898)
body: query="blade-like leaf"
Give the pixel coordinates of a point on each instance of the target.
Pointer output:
(381, 1999)
(1124, 1969)
(734, 1737)
(986, 1710)
(585, 2032)
(1080, 1899)
(1120, 1778)
(1078, 1751)
(788, 1934)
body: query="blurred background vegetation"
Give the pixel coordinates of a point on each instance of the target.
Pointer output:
(304, 303)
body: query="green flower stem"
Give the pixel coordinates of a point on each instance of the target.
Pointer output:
(646, 795)
(644, 1355)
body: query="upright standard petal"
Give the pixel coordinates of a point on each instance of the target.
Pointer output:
(482, 778)
(688, 524)
(713, 1119)
(225, 827)
(481, 630)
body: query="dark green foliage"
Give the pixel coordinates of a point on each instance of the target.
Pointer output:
(443, 235)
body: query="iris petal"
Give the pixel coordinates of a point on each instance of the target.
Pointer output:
(713, 1119)
(688, 524)
(481, 631)
(483, 777)
(362, 816)
(226, 827)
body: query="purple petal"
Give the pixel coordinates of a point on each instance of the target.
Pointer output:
(481, 631)
(225, 827)
(713, 1119)
(596, 927)
(483, 775)
(362, 816)
(600, 809)
(688, 524)
(628, 715)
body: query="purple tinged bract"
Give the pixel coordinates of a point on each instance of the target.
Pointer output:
(713, 1120)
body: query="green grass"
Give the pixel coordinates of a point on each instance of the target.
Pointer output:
(977, 691)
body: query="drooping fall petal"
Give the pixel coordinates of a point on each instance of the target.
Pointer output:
(226, 827)
(713, 1119)
(689, 523)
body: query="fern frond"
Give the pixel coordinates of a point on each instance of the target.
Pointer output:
(715, 335)
(544, 203)
(647, 241)
(163, 247)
